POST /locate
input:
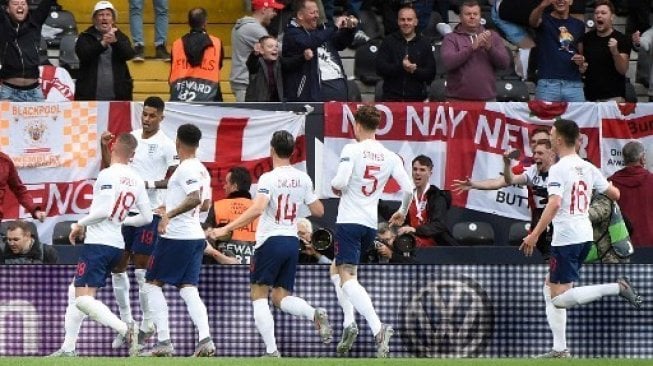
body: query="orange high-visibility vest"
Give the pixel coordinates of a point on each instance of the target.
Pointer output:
(199, 83)
(228, 209)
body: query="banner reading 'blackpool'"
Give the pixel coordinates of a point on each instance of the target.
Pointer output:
(468, 140)
(56, 147)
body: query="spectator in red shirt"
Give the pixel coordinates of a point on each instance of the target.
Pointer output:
(636, 200)
(9, 179)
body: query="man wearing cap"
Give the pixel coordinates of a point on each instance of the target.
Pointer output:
(196, 63)
(20, 31)
(103, 51)
(246, 32)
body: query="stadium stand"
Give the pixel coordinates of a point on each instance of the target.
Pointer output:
(473, 233)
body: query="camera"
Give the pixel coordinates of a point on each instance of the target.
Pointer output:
(405, 243)
(321, 239)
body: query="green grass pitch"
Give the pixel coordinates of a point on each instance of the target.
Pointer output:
(224, 361)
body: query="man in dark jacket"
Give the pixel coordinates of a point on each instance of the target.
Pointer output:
(20, 34)
(636, 200)
(103, 51)
(21, 248)
(321, 77)
(10, 181)
(427, 213)
(405, 61)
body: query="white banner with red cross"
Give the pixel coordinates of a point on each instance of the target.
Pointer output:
(468, 140)
(56, 147)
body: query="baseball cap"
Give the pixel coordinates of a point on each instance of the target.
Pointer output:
(260, 4)
(103, 5)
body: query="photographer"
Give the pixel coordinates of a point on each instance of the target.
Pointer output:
(308, 253)
(384, 250)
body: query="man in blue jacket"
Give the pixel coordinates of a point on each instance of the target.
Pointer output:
(321, 76)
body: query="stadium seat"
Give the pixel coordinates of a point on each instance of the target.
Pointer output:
(631, 94)
(67, 56)
(353, 92)
(437, 90)
(512, 91)
(439, 68)
(5, 224)
(365, 62)
(517, 232)
(58, 25)
(378, 91)
(370, 25)
(43, 52)
(473, 233)
(61, 232)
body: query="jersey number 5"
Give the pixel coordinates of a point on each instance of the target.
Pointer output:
(289, 209)
(579, 198)
(369, 174)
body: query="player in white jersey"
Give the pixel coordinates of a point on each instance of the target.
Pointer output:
(570, 184)
(117, 190)
(154, 160)
(177, 257)
(363, 171)
(280, 195)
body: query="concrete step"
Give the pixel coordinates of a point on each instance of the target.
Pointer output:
(219, 11)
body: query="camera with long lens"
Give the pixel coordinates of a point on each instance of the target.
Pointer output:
(405, 244)
(321, 239)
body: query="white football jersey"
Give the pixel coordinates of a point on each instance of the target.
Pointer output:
(152, 159)
(573, 179)
(120, 185)
(287, 189)
(363, 172)
(190, 176)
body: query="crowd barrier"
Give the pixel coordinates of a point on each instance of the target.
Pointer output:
(436, 310)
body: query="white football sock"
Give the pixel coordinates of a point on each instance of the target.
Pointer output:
(557, 319)
(345, 304)
(159, 310)
(265, 324)
(196, 310)
(120, 283)
(524, 54)
(583, 295)
(72, 322)
(297, 306)
(99, 312)
(146, 323)
(362, 303)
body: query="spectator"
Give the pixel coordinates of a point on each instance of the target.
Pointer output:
(9, 180)
(644, 45)
(384, 250)
(427, 212)
(606, 52)
(639, 13)
(247, 31)
(600, 212)
(160, 28)
(405, 61)
(103, 51)
(56, 83)
(20, 31)
(196, 63)
(265, 83)
(558, 59)
(21, 248)
(307, 253)
(539, 134)
(535, 177)
(238, 199)
(516, 31)
(636, 200)
(470, 55)
(322, 77)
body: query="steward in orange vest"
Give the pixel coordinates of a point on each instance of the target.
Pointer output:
(196, 63)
